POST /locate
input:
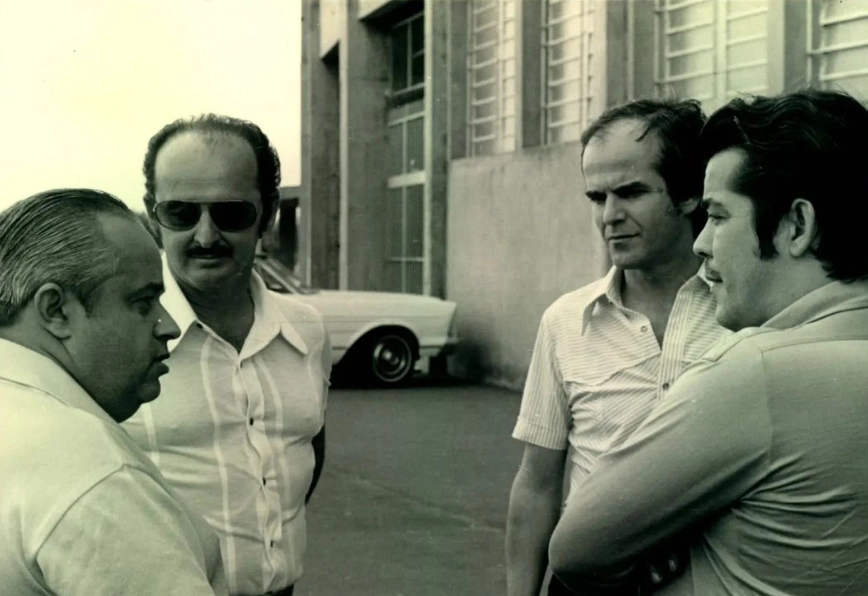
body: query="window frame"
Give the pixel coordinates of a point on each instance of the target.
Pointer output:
(506, 86)
(589, 28)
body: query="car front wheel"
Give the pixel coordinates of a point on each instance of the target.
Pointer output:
(391, 358)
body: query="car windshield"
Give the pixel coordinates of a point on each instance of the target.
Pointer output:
(279, 278)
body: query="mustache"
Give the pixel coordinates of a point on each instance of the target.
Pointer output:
(218, 250)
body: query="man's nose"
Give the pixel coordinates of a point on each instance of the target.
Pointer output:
(702, 244)
(206, 233)
(612, 210)
(166, 327)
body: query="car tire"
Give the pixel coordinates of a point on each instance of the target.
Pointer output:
(389, 358)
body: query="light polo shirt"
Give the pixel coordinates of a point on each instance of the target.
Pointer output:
(762, 447)
(232, 432)
(83, 512)
(597, 369)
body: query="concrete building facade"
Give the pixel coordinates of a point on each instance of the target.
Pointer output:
(440, 137)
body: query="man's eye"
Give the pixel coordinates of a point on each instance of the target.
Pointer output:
(145, 305)
(597, 198)
(715, 219)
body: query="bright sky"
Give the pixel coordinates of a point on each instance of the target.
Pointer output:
(84, 84)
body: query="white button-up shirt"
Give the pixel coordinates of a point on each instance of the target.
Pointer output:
(82, 510)
(232, 431)
(597, 369)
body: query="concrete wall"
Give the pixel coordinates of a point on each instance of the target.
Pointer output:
(372, 8)
(519, 235)
(330, 23)
(364, 83)
(319, 222)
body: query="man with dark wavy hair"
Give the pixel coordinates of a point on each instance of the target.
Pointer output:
(242, 436)
(83, 512)
(758, 451)
(607, 353)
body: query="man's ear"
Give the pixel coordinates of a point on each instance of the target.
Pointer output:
(54, 310)
(271, 219)
(688, 206)
(799, 227)
(150, 222)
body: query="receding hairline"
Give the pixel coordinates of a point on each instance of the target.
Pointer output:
(645, 134)
(212, 139)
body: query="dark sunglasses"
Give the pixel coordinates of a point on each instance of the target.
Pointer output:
(228, 216)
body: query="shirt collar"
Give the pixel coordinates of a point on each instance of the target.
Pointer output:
(608, 291)
(28, 367)
(265, 310)
(829, 299)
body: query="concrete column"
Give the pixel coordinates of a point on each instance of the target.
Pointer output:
(458, 92)
(528, 73)
(437, 91)
(364, 79)
(318, 242)
(616, 44)
(788, 57)
(642, 51)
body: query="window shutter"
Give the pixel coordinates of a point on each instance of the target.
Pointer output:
(712, 50)
(841, 49)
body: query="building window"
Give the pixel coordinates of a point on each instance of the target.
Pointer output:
(712, 50)
(405, 127)
(567, 97)
(405, 221)
(491, 76)
(838, 38)
(407, 43)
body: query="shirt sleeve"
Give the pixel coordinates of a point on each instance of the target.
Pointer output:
(326, 357)
(127, 535)
(544, 419)
(698, 452)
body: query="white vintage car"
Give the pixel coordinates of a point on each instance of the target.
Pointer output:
(377, 335)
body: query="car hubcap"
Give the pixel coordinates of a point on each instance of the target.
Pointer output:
(393, 358)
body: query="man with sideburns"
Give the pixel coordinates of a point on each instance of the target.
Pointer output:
(758, 452)
(242, 436)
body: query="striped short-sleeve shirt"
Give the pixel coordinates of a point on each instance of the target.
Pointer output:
(231, 431)
(597, 368)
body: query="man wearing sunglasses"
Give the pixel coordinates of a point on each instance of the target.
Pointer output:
(240, 433)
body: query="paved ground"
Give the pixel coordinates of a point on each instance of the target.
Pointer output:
(413, 498)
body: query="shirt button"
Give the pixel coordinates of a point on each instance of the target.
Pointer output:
(665, 386)
(271, 544)
(251, 422)
(644, 328)
(263, 482)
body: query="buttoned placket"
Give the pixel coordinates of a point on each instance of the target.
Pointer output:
(264, 467)
(672, 355)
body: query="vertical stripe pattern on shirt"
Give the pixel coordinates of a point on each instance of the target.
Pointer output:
(228, 543)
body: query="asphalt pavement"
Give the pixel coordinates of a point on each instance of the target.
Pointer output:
(413, 497)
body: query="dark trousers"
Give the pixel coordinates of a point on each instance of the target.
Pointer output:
(557, 588)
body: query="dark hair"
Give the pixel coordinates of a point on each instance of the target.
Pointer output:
(54, 237)
(810, 145)
(267, 161)
(677, 125)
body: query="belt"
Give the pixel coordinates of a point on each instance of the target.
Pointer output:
(287, 591)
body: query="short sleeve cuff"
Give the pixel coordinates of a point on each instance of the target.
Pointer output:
(540, 436)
